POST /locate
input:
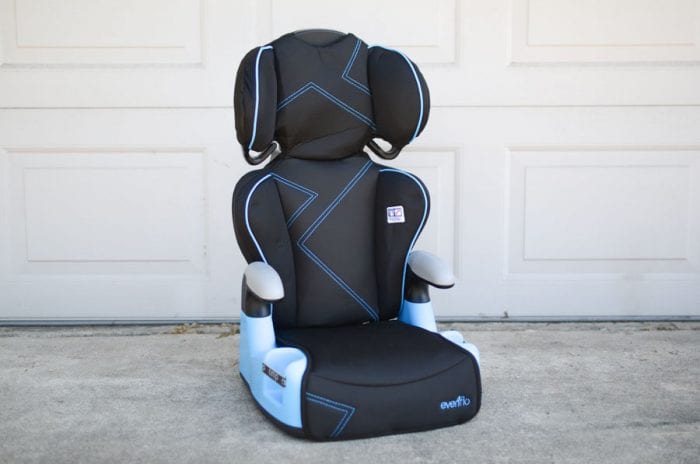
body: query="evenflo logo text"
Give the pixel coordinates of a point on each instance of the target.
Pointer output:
(460, 402)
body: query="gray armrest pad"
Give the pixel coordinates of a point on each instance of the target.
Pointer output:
(430, 268)
(264, 281)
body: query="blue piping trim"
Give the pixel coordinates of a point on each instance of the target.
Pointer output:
(313, 86)
(312, 196)
(294, 95)
(346, 73)
(346, 409)
(314, 226)
(247, 221)
(257, 94)
(420, 227)
(420, 90)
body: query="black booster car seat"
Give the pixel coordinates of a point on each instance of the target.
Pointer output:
(338, 337)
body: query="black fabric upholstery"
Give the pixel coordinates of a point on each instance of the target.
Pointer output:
(393, 242)
(382, 378)
(324, 109)
(401, 108)
(323, 226)
(380, 354)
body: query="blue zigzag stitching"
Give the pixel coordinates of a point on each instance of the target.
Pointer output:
(312, 196)
(346, 409)
(346, 73)
(314, 226)
(313, 86)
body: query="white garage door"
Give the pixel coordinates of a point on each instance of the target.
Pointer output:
(563, 152)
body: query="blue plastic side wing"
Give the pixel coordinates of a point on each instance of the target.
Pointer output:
(281, 398)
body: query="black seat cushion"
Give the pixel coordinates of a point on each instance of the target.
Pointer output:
(381, 378)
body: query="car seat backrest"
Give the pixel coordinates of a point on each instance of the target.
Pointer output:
(336, 226)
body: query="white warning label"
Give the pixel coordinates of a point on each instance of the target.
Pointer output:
(394, 214)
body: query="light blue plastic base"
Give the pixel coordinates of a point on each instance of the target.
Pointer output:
(422, 315)
(419, 315)
(258, 346)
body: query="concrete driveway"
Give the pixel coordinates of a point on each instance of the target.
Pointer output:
(589, 393)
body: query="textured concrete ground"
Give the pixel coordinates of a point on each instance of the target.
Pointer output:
(552, 393)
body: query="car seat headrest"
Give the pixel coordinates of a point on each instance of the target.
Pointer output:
(324, 95)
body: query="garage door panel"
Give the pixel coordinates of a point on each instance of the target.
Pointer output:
(609, 298)
(118, 232)
(84, 32)
(107, 212)
(622, 63)
(111, 53)
(623, 31)
(591, 209)
(603, 210)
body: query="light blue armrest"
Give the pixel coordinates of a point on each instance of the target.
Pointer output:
(274, 374)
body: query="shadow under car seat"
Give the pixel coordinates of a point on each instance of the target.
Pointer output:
(338, 336)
